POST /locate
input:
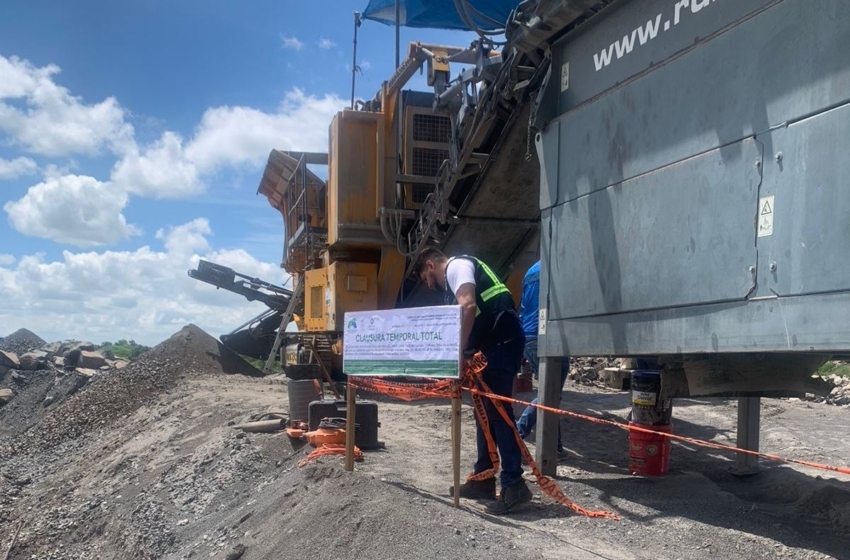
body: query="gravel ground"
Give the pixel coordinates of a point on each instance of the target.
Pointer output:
(145, 463)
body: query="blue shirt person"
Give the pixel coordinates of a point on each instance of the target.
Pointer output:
(529, 312)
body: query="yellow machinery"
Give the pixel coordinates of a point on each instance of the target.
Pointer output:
(342, 237)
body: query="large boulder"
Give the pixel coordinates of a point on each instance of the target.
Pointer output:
(91, 360)
(5, 396)
(52, 349)
(85, 346)
(33, 360)
(71, 359)
(9, 360)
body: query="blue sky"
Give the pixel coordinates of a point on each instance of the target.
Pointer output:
(132, 139)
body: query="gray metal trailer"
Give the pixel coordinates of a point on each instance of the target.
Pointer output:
(694, 196)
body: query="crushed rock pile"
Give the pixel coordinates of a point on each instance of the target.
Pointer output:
(160, 473)
(334, 514)
(840, 394)
(586, 371)
(189, 352)
(34, 392)
(22, 341)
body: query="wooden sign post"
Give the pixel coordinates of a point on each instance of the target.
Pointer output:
(350, 425)
(412, 342)
(456, 402)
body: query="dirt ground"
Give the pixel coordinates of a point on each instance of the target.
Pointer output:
(147, 464)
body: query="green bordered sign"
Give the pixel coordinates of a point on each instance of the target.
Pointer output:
(416, 342)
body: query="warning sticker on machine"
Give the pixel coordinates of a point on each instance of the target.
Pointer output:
(765, 217)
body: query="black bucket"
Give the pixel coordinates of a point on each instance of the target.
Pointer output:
(648, 408)
(301, 393)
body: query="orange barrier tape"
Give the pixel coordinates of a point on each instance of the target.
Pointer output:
(648, 430)
(406, 391)
(481, 415)
(330, 449)
(546, 484)
(470, 379)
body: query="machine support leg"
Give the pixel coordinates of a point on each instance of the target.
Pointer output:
(749, 423)
(549, 394)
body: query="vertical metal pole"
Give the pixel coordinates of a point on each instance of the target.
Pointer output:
(354, 56)
(548, 394)
(397, 34)
(397, 109)
(749, 426)
(305, 215)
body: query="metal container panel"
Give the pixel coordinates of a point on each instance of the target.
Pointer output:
(316, 299)
(351, 287)
(813, 323)
(636, 36)
(672, 158)
(780, 65)
(682, 235)
(356, 140)
(808, 175)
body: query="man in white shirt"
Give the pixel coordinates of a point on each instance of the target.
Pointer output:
(490, 325)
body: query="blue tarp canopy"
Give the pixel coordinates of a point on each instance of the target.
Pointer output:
(442, 14)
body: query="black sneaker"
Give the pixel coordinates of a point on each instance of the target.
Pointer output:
(477, 489)
(510, 499)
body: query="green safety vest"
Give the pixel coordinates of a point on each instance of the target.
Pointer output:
(492, 299)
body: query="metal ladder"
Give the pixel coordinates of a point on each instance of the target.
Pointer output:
(297, 295)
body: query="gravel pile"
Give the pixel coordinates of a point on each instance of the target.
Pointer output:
(339, 515)
(26, 409)
(189, 352)
(22, 341)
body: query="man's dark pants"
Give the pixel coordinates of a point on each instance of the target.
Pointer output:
(503, 363)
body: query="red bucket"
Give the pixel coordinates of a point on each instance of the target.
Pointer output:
(522, 385)
(649, 454)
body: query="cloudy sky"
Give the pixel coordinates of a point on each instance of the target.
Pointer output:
(132, 140)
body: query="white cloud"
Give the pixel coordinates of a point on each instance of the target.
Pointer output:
(20, 77)
(72, 209)
(291, 42)
(187, 238)
(83, 211)
(144, 295)
(6, 260)
(69, 207)
(326, 43)
(54, 122)
(365, 65)
(18, 167)
(161, 171)
(230, 136)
